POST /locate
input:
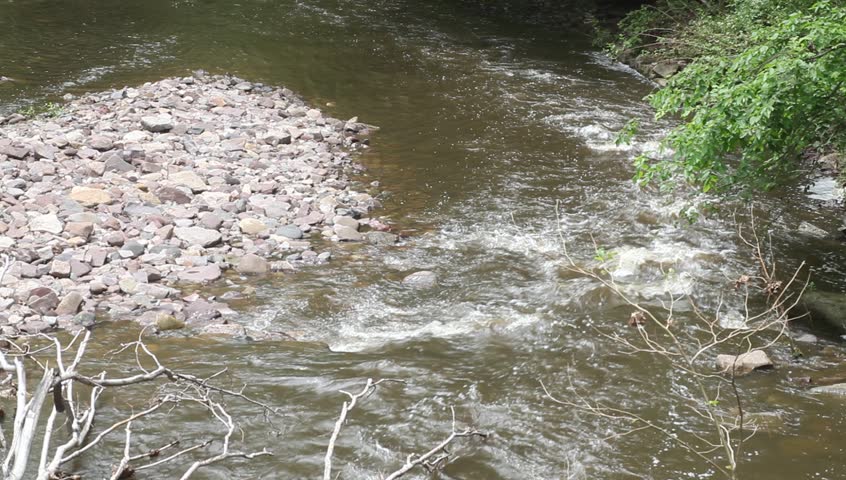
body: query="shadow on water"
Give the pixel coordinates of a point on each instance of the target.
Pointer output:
(489, 118)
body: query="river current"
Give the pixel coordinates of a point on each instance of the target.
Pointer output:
(497, 143)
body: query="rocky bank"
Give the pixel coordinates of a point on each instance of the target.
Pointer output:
(119, 199)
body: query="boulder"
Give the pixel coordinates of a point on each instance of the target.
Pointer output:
(42, 300)
(744, 363)
(347, 234)
(166, 322)
(189, 179)
(70, 304)
(290, 231)
(101, 143)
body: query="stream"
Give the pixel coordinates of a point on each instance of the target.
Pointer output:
(496, 144)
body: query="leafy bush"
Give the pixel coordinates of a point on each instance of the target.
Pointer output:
(748, 116)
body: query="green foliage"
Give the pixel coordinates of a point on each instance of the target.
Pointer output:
(627, 133)
(602, 255)
(49, 110)
(765, 80)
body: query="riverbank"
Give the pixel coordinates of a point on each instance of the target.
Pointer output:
(115, 202)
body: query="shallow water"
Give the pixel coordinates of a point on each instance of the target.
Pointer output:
(487, 123)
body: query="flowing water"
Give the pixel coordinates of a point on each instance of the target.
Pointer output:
(488, 122)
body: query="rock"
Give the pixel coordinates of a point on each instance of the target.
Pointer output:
(420, 280)
(208, 273)
(744, 363)
(90, 197)
(666, 69)
(251, 226)
(46, 223)
(13, 151)
(347, 222)
(60, 268)
(70, 304)
(203, 237)
(189, 179)
(79, 269)
(211, 221)
(290, 231)
(114, 163)
(166, 322)
(836, 389)
(115, 239)
(226, 329)
(810, 230)
(97, 287)
(173, 194)
(252, 264)
(79, 229)
(101, 143)
(132, 249)
(381, 238)
(347, 234)
(826, 308)
(157, 123)
(42, 300)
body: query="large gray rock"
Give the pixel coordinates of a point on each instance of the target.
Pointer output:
(421, 279)
(290, 231)
(203, 237)
(70, 304)
(828, 308)
(347, 234)
(744, 363)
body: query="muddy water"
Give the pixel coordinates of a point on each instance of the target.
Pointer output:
(487, 123)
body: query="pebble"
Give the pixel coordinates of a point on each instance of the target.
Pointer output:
(112, 212)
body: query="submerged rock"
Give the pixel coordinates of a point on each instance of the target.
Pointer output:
(836, 389)
(828, 308)
(422, 279)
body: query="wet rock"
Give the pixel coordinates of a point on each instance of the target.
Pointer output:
(90, 197)
(225, 329)
(157, 123)
(666, 69)
(165, 322)
(381, 238)
(208, 273)
(420, 280)
(252, 264)
(826, 308)
(744, 363)
(810, 230)
(203, 237)
(347, 222)
(836, 389)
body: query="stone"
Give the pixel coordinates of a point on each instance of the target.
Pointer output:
(97, 287)
(166, 322)
(825, 309)
(115, 239)
(79, 269)
(70, 304)
(172, 194)
(347, 234)
(131, 249)
(347, 222)
(226, 329)
(60, 268)
(252, 264)
(203, 237)
(290, 231)
(90, 197)
(13, 151)
(744, 363)
(666, 69)
(79, 229)
(114, 163)
(211, 221)
(811, 230)
(101, 143)
(381, 238)
(836, 389)
(421, 280)
(157, 123)
(208, 273)
(42, 300)
(46, 223)
(189, 179)
(251, 226)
